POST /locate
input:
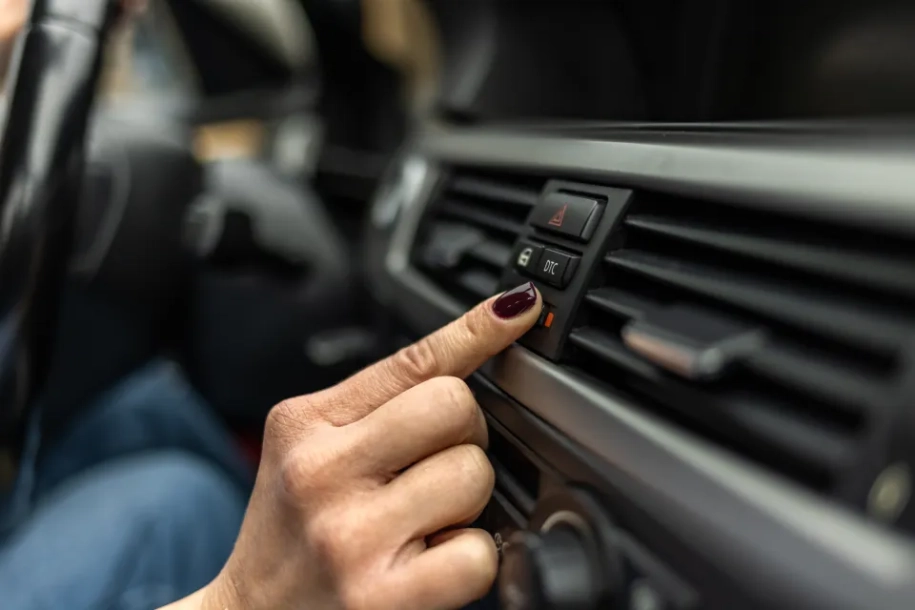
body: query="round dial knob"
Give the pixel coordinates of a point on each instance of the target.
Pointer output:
(551, 570)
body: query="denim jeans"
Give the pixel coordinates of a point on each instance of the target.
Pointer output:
(137, 505)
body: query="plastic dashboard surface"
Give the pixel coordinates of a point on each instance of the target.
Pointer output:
(751, 537)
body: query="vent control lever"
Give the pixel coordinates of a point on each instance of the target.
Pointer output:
(448, 244)
(691, 342)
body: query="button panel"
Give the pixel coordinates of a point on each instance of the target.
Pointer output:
(560, 264)
(570, 215)
(556, 268)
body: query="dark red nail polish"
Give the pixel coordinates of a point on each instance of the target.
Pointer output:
(516, 301)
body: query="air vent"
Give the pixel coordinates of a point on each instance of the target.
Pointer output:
(784, 340)
(466, 241)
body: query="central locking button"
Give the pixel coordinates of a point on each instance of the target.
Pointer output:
(526, 257)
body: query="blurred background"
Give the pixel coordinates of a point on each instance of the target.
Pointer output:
(283, 117)
(276, 101)
(387, 51)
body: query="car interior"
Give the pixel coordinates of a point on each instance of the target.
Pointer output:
(716, 200)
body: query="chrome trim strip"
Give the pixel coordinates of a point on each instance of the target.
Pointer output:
(398, 258)
(868, 180)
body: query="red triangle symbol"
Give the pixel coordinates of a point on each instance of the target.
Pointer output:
(559, 216)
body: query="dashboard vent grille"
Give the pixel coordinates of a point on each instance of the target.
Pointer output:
(466, 241)
(831, 310)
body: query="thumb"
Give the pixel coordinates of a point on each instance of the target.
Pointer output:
(454, 350)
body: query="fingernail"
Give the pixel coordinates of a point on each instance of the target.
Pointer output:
(516, 301)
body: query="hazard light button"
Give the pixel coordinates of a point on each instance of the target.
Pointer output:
(567, 214)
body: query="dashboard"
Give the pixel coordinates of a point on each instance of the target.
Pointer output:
(717, 202)
(714, 410)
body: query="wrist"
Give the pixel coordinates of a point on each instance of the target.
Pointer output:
(214, 596)
(221, 594)
(191, 602)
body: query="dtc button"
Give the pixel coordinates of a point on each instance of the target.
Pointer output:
(556, 268)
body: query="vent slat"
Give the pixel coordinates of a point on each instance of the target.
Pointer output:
(612, 350)
(847, 388)
(745, 418)
(480, 217)
(483, 285)
(495, 191)
(793, 366)
(492, 253)
(830, 308)
(842, 321)
(826, 259)
(490, 209)
(619, 302)
(803, 439)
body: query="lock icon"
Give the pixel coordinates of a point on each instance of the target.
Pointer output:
(525, 257)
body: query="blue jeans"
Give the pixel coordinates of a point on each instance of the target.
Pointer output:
(136, 506)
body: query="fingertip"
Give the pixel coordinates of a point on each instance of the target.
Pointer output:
(479, 557)
(459, 568)
(482, 554)
(485, 542)
(518, 303)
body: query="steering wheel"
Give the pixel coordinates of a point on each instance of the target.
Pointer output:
(50, 92)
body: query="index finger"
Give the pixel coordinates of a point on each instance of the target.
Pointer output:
(454, 350)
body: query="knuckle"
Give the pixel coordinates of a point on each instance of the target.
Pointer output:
(318, 464)
(417, 361)
(323, 532)
(477, 325)
(300, 473)
(458, 402)
(340, 535)
(277, 419)
(476, 471)
(288, 417)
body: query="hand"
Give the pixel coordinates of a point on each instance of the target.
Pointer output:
(365, 489)
(13, 14)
